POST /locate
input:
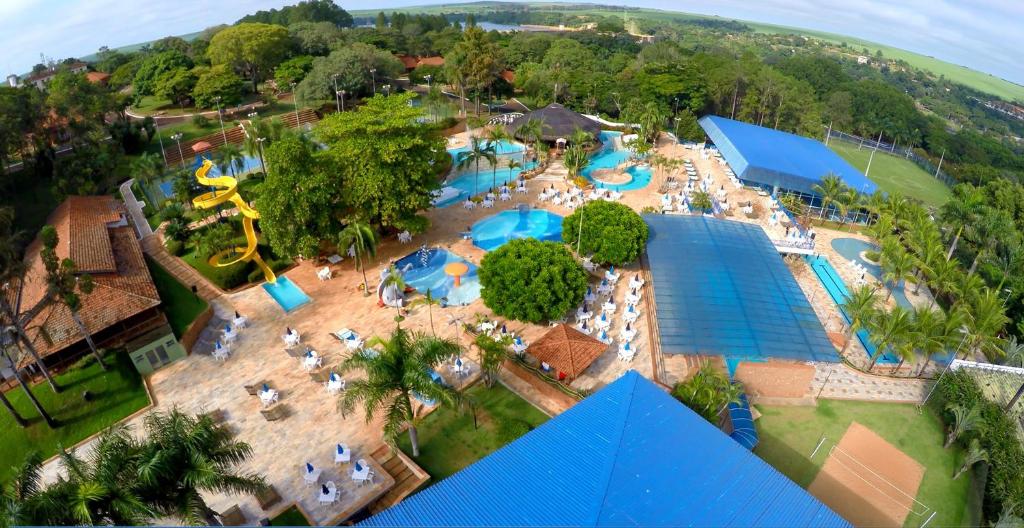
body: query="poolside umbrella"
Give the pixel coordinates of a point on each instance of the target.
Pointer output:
(458, 362)
(604, 282)
(630, 309)
(309, 353)
(626, 347)
(266, 388)
(227, 328)
(333, 377)
(218, 345)
(324, 490)
(611, 269)
(604, 335)
(519, 340)
(503, 329)
(584, 325)
(627, 327)
(585, 309)
(237, 315)
(288, 330)
(568, 350)
(200, 146)
(351, 336)
(588, 290)
(309, 467)
(603, 316)
(341, 450)
(358, 467)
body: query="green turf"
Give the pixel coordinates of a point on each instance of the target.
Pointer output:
(895, 174)
(180, 305)
(290, 517)
(116, 393)
(448, 441)
(790, 433)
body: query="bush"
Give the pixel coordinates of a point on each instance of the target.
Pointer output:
(531, 281)
(228, 277)
(613, 233)
(509, 429)
(200, 121)
(174, 247)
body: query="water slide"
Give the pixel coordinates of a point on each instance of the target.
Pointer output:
(229, 193)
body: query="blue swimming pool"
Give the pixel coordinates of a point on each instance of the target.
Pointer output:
(852, 248)
(469, 183)
(836, 289)
(492, 232)
(610, 156)
(501, 148)
(286, 293)
(249, 164)
(424, 269)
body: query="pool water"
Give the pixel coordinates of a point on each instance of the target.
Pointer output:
(424, 270)
(501, 148)
(610, 156)
(468, 183)
(494, 231)
(286, 293)
(851, 249)
(249, 164)
(836, 289)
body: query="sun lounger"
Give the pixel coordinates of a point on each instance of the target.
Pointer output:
(267, 497)
(232, 517)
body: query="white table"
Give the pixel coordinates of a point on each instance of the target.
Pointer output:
(602, 324)
(268, 396)
(239, 322)
(335, 258)
(608, 307)
(519, 348)
(344, 456)
(312, 362)
(311, 477)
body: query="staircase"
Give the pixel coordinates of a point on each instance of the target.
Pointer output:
(555, 172)
(408, 477)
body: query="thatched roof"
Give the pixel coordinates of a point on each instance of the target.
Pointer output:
(557, 121)
(567, 350)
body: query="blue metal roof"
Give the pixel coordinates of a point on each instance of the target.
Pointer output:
(721, 288)
(629, 455)
(770, 157)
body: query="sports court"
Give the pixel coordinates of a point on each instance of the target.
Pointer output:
(869, 481)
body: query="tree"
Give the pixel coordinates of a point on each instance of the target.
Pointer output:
(701, 201)
(986, 319)
(611, 233)
(348, 68)
(476, 62)
(315, 38)
(686, 126)
(575, 160)
(154, 66)
(974, 454)
(304, 11)
(66, 285)
(363, 239)
(935, 333)
(399, 368)
(218, 81)
(428, 300)
(897, 265)
(531, 131)
(176, 85)
(496, 135)
(828, 190)
(230, 159)
(960, 212)
(252, 47)
(13, 360)
(479, 149)
(964, 419)
(293, 70)
(184, 456)
(861, 307)
(708, 393)
(649, 115)
(531, 281)
(492, 357)
(147, 167)
(892, 329)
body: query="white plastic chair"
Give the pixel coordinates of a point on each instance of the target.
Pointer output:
(344, 456)
(332, 493)
(324, 274)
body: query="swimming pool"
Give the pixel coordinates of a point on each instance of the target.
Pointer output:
(851, 249)
(468, 183)
(492, 232)
(286, 293)
(501, 148)
(610, 156)
(249, 164)
(836, 289)
(424, 270)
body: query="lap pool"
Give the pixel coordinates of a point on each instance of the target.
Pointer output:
(852, 249)
(424, 270)
(494, 231)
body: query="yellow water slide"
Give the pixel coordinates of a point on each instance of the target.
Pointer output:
(228, 192)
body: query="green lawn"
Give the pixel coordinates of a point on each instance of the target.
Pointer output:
(893, 173)
(290, 517)
(789, 434)
(180, 305)
(116, 393)
(448, 441)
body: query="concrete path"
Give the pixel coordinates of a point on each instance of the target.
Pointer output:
(844, 383)
(134, 208)
(154, 247)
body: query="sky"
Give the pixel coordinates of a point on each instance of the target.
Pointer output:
(986, 35)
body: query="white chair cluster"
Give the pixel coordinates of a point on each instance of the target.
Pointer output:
(229, 335)
(590, 322)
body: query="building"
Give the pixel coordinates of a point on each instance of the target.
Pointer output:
(410, 63)
(124, 305)
(779, 161)
(861, 59)
(41, 79)
(99, 78)
(628, 455)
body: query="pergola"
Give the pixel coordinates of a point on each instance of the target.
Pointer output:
(567, 350)
(557, 122)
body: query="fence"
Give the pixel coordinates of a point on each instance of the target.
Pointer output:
(906, 152)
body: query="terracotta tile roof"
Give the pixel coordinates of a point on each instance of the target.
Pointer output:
(97, 77)
(436, 60)
(409, 62)
(509, 76)
(123, 286)
(567, 350)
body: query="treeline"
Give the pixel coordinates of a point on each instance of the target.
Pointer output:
(305, 11)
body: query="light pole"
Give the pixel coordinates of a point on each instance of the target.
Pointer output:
(373, 80)
(428, 77)
(259, 147)
(295, 101)
(177, 139)
(387, 89)
(1008, 293)
(220, 116)
(156, 123)
(964, 331)
(336, 92)
(342, 94)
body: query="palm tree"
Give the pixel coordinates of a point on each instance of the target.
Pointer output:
(531, 131)
(960, 212)
(887, 330)
(512, 166)
(1013, 355)
(883, 227)
(18, 418)
(495, 136)
(399, 369)
(575, 160)
(846, 200)
(430, 302)
(25, 387)
(492, 356)
(231, 159)
(974, 454)
(395, 280)
(987, 317)
(829, 189)
(936, 332)
(363, 239)
(964, 420)
(183, 457)
(147, 167)
(580, 137)
(708, 392)
(942, 277)
(897, 266)
(1009, 258)
(986, 232)
(860, 307)
(65, 284)
(479, 150)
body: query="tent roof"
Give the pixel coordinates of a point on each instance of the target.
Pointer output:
(567, 350)
(557, 121)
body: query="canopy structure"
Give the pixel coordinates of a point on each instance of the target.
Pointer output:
(772, 158)
(201, 146)
(721, 289)
(557, 122)
(628, 455)
(567, 350)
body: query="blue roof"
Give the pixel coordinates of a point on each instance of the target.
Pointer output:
(721, 288)
(770, 157)
(628, 455)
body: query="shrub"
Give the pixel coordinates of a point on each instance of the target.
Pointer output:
(172, 211)
(509, 429)
(613, 233)
(200, 121)
(174, 247)
(532, 281)
(708, 392)
(228, 277)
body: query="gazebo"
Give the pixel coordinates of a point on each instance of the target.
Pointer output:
(567, 350)
(557, 122)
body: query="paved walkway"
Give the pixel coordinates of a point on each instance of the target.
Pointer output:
(845, 383)
(134, 208)
(154, 247)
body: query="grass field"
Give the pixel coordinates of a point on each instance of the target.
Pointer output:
(290, 517)
(116, 393)
(448, 441)
(895, 174)
(789, 434)
(180, 305)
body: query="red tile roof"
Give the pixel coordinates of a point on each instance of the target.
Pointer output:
(509, 76)
(430, 61)
(408, 61)
(97, 77)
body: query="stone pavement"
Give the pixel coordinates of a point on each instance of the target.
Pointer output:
(845, 383)
(134, 208)
(153, 246)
